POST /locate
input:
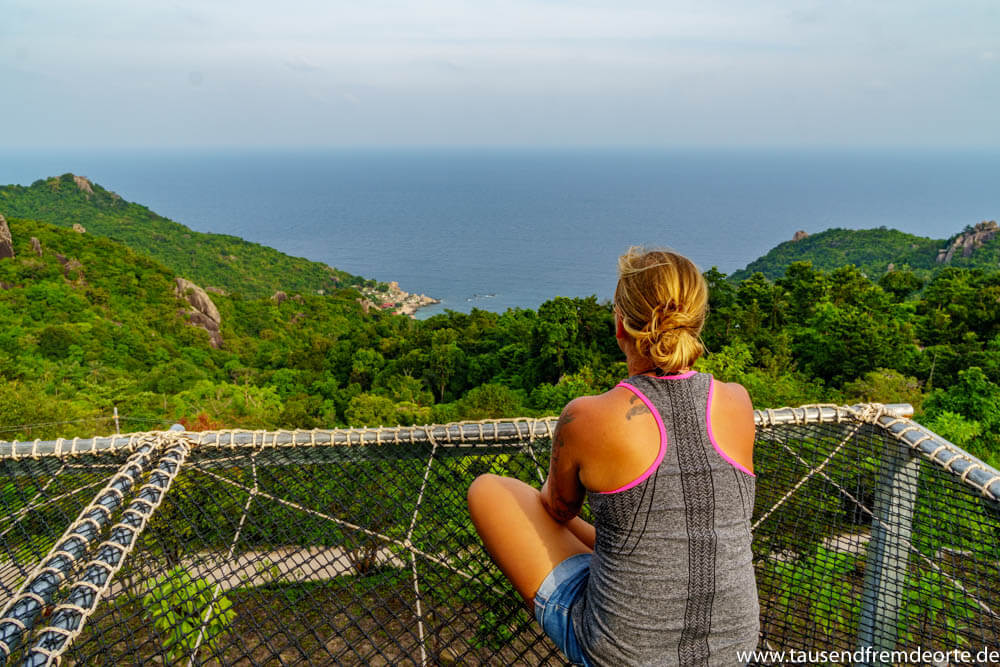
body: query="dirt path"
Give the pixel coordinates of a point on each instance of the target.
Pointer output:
(249, 568)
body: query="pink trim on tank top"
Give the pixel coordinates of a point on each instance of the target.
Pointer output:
(711, 436)
(663, 442)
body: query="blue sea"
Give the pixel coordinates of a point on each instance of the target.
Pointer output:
(501, 228)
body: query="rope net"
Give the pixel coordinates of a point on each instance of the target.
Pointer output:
(354, 546)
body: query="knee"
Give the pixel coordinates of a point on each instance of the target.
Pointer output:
(482, 488)
(488, 493)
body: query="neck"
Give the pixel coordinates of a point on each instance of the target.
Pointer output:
(637, 365)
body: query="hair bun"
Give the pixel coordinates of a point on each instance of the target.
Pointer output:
(662, 299)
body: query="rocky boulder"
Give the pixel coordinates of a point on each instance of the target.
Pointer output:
(6, 241)
(204, 314)
(84, 185)
(69, 265)
(79, 229)
(969, 240)
(36, 245)
(208, 324)
(799, 235)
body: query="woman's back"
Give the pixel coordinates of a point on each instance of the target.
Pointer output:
(667, 577)
(671, 580)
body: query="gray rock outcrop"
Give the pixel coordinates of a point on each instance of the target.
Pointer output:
(969, 241)
(6, 241)
(84, 184)
(69, 264)
(36, 245)
(799, 235)
(204, 313)
(79, 229)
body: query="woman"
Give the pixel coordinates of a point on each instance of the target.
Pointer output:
(666, 459)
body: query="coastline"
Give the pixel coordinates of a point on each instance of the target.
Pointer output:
(476, 208)
(395, 299)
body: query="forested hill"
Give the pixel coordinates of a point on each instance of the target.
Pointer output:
(211, 260)
(873, 251)
(87, 325)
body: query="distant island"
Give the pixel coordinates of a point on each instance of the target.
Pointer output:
(879, 251)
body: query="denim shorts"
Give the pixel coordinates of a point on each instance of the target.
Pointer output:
(554, 598)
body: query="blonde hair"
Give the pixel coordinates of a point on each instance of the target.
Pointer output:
(662, 300)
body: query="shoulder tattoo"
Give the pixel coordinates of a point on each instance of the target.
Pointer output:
(636, 407)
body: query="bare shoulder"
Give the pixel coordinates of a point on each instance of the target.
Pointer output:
(591, 418)
(733, 422)
(613, 437)
(579, 409)
(584, 412)
(735, 398)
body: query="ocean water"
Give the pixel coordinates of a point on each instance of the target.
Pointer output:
(497, 228)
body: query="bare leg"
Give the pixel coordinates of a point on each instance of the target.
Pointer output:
(521, 536)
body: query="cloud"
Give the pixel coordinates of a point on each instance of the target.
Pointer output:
(632, 70)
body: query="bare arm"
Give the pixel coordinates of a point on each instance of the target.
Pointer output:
(563, 493)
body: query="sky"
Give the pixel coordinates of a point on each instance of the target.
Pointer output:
(327, 73)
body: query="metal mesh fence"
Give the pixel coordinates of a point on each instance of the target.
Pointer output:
(354, 547)
(862, 539)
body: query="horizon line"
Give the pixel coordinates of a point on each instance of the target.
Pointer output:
(313, 148)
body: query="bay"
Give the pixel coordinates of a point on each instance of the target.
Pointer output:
(502, 228)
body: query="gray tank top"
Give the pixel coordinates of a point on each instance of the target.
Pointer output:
(672, 580)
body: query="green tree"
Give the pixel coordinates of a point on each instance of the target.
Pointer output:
(885, 385)
(370, 410)
(723, 309)
(491, 401)
(400, 388)
(445, 361)
(365, 365)
(975, 399)
(805, 287)
(236, 406)
(841, 343)
(554, 336)
(900, 283)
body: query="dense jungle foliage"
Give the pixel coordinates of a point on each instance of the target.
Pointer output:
(100, 327)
